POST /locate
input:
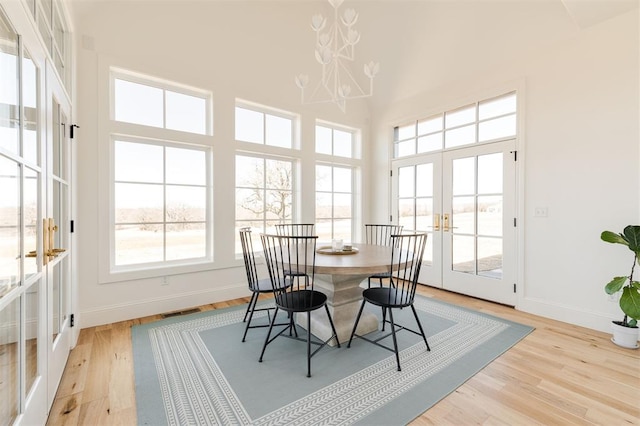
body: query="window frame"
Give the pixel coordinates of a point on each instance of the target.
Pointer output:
(117, 130)
(208, 258)
(332, 219)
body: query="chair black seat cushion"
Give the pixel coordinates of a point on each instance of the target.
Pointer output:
(387, 296)
(301, 300)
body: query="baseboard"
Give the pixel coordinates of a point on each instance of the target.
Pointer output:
(544, 308)
(153, 306)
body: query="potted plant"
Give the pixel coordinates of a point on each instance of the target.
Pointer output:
(625, 332)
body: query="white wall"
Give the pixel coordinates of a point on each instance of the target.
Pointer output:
(580, 153)
(217, 46)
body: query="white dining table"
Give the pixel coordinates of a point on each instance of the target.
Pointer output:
(339, 277)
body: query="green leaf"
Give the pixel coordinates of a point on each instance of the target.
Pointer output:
(615, 285)
(630, 302)
(612, 237)
(632, 235)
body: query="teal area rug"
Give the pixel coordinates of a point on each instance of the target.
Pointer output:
(194, 370)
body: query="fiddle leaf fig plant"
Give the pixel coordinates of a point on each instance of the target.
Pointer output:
(630, 289)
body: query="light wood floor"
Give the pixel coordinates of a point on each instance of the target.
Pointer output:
(559, 374)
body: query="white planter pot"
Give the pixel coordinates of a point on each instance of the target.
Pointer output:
(627, 337)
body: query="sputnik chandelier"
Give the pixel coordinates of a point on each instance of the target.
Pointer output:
(334, 51)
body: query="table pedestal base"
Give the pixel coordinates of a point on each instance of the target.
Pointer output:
(344, 297)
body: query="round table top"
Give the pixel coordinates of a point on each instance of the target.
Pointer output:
(370, 259)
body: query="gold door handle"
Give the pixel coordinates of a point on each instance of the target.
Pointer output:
(445, 220)
(31, 254)
(436, 222)
(55, 251)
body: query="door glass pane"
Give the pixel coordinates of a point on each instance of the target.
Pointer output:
(490, 257)
(424, 214)
(490, 215)
(9, 366)
(31, 333)
(463, 254)
(490, 174)
(57, 140)
(30, 195)
(463, 209)
(464, 176)
(406, 182)
(56, 280)
(10, 183)
(9, 111)
(30, 105)
(424, 180)
(406, 213)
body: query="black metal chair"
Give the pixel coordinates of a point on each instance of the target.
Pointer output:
(380, 235)
(406, 259)
(294, 294)
(256, 285)
(295, 229)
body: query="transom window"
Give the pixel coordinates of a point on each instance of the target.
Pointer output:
(332, 141)
(255, 125)
(152, 104)
(485, 121)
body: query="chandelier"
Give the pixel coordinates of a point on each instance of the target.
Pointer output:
(334, 51)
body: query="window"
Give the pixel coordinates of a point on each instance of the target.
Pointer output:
(255, 125)
(151, 103)
(485, 121)
(264, 193)
(161, 203)
(334, 202)
(161, 206)
(332, 141)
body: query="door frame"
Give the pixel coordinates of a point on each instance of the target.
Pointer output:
(435, 275)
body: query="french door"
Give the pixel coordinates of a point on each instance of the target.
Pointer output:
(56, 233)
(465, 200)
(35, 188)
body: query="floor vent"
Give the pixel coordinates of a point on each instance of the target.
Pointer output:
(178, 313)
